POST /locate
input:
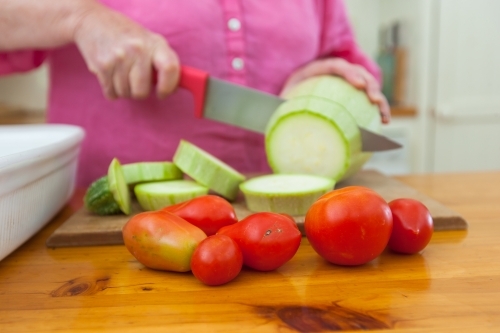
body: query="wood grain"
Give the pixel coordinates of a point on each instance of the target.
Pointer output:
(12, 115)
(84, 228)
(452, 286)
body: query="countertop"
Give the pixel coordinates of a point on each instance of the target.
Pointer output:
(452, 286)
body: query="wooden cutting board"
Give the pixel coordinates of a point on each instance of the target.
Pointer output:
(85, 229)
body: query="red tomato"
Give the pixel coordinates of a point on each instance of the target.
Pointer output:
(217, 260)
(349, 226)
(207, 212)
(413, 226)
(162, 240)
(267, 240)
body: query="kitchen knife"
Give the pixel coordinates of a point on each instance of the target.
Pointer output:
(249, 108)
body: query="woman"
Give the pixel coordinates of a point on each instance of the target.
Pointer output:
(102, 56)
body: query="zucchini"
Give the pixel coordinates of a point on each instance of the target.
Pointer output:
(291, 194)
(118, 186)
(208, 170)
(99, 200)
(316, 130)
(141, 172)
(157, 195)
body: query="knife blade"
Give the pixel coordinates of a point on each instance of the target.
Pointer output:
(249, 108)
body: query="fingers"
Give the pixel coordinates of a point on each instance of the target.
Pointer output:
(167, 67)
(385, 110)
(120, 78)
(356, 75)
(140, 78)
(123, 55)
(131, 76)
(104, 72)
(362, 79)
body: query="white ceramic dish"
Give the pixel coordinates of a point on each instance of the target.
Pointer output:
(37, 177)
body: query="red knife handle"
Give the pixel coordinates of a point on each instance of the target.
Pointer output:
(195, 80)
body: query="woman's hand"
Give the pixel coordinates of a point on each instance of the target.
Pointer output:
(124, 56)
(356, 75)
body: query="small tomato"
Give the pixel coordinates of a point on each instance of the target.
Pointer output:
(207, 212)
(162, 240)
(413, 226)
(217, 260)
(349, 226)
(267, 240)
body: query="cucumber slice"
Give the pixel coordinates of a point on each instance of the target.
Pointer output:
(208, 170)
(292, 194)
(157, 195)
(99, 199)
(118, 186)
(150, 171)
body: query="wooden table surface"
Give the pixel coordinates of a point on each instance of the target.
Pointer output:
(452, 286)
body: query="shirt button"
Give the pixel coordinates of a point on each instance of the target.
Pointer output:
(234, 24)
(238, 64)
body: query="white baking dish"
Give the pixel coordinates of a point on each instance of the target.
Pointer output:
(37, 177)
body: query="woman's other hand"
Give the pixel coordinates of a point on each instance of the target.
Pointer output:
(356, 75)
(127, 59)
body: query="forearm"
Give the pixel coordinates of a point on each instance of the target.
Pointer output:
(38, 24)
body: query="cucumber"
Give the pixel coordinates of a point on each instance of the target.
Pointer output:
(118, 186)
(99, 199)
(208, 170)
(316, 130)
(110, 194)
(150, 171)
(292, 194)
(157, 195)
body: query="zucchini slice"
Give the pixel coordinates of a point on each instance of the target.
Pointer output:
(118, 186)
(157, 195)
(316, 130)
(292, 194)
(312, 136)
(141, 172)
(208, 170)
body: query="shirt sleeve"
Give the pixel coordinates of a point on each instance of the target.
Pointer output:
(20, 61)
(338, 38)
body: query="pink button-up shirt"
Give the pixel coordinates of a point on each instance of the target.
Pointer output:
(250, 42)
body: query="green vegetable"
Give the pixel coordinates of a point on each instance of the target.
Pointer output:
(157, 195)
(316, 130)
(150, 171)
(292, 194)
(208, 170)
(99, 199)
(118, 186)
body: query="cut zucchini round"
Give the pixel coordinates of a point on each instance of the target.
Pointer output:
(316, 130)
(118, 186)
(142, 172)
(312, 136)
(157, 195)
(292, 194)
(208, 170)
(99, 199)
